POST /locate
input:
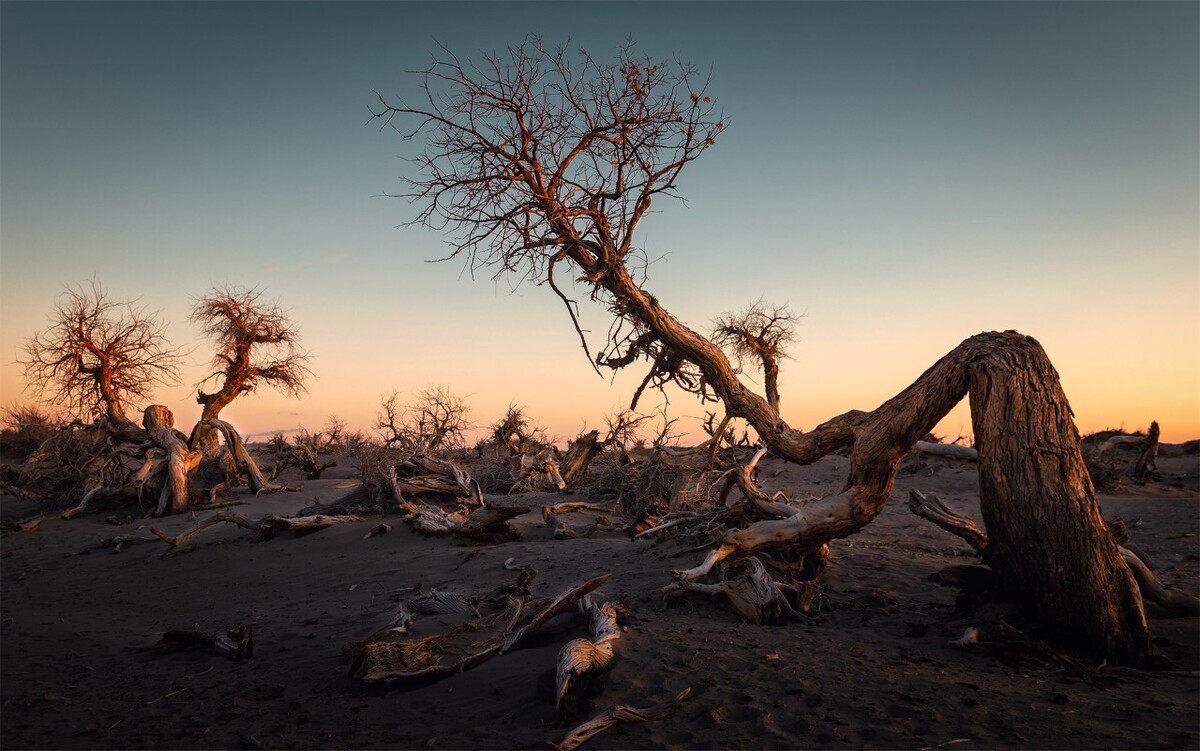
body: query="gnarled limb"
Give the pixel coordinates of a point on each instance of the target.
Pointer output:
(931, 508)
(241, 457)
(580, 659)
(178, 461)
(1048, 539)
(752, 593)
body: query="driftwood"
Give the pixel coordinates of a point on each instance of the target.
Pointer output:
(618, 714)
(236, 643)
(932, 509)
(397, 659)
(481, 522)
(265, 528)
(581, 659)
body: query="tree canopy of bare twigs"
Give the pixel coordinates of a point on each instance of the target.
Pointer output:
(256, 344)
(545, 156)
(759, 333)
(98, 354)
(436, 419)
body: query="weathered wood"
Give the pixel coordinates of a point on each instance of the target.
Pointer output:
(242, 458)
(581, 659)
(172, 476)
(749, 590)
(616, 715)
(579, 456)
(236, 643)
(931, 508)
(398, 659)
(1039, 507)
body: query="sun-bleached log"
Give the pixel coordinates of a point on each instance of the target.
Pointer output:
(616, 715)
(581, 659)
(483, 522)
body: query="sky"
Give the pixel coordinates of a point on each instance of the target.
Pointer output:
(902, 175)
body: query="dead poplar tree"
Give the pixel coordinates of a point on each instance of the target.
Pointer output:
(543, 157)
(98, 354)
(256, 343)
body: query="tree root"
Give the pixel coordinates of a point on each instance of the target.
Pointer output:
(933, 509)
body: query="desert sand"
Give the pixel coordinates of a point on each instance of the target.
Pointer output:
(877, 666)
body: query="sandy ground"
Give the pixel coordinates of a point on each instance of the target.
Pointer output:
(876, 668)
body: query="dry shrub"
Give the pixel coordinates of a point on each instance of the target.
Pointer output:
(70, 459)
(24, 429)
(650, 482)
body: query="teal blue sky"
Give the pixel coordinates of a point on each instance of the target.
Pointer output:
(903, 174)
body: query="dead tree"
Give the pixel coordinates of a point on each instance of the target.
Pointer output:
(98, 354)
(543, 157)
(256, 344)
(434, 421)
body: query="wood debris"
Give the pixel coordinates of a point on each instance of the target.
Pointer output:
(618, 714)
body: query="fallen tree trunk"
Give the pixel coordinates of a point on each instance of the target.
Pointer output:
(265, 528)
(395, 658)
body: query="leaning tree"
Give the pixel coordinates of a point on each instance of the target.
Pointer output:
(257, 344)
(544, 158)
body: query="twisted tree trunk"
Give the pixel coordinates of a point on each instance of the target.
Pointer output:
(1038, 501)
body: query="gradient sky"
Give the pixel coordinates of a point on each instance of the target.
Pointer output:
(903, 174)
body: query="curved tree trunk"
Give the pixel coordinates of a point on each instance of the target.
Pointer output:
(1045, 528)
(1039, 504)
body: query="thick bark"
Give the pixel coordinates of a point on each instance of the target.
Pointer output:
(1045, 529)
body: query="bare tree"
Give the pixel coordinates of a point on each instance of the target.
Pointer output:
(762, 333)
(435, 420)
(538, 157)
(98, 354)
(256, 344)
